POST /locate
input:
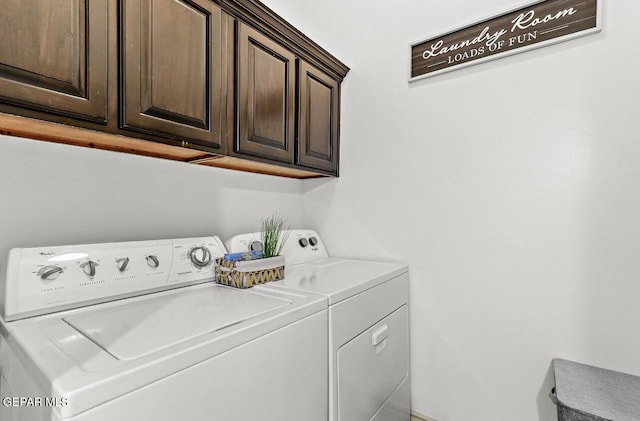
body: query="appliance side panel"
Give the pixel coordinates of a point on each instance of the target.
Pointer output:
(16, 385)
(8, 270)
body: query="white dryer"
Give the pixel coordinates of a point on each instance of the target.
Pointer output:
(368, 324)
(137, 331)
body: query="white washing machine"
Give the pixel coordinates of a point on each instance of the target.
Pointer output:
(137, 331)
(368, 324)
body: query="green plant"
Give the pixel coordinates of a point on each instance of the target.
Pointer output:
(274, 235)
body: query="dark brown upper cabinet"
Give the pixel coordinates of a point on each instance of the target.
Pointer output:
(266, 97)
(223, 83)
(318, 119)
(172, 70)
(49, 59)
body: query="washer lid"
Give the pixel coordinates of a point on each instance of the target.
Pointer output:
(131, 330)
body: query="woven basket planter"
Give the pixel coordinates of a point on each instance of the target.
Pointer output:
(245, 274)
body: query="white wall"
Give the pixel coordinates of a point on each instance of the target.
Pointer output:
(510, 187)
(57, 194)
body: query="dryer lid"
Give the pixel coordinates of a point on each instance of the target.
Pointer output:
(338, 279)
(131, 330)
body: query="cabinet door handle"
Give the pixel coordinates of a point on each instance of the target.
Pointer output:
(379, 335)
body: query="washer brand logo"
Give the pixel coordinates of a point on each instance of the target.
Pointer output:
(34, 401)
(48, 253)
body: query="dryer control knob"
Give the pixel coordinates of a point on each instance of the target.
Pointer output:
(200, 256)
(152, 261)
(89, 268)
(313, 241)
(50, 273)
(303, 242)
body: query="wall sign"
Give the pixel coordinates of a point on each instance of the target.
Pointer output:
(536, 25)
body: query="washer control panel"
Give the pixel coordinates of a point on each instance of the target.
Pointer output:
(47, 279)
(300, 246)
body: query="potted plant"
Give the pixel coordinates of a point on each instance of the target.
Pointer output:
(244, 270)
(274, 235)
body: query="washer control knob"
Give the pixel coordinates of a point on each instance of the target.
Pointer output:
(50, 273)
(152, 261)
(89, 268)
(200, 256)
(255, 246)
(123, 263)
(303, 242)
(313, 241)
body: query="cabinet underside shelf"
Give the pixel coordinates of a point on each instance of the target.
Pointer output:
(12, 125)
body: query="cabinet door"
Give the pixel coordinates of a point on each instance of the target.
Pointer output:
(171, 53)
(319, 119)
(53, 56)
(266, 90)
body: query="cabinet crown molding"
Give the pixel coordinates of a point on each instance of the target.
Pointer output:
(262, 17)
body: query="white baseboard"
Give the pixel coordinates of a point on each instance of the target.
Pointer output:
(419, 417)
